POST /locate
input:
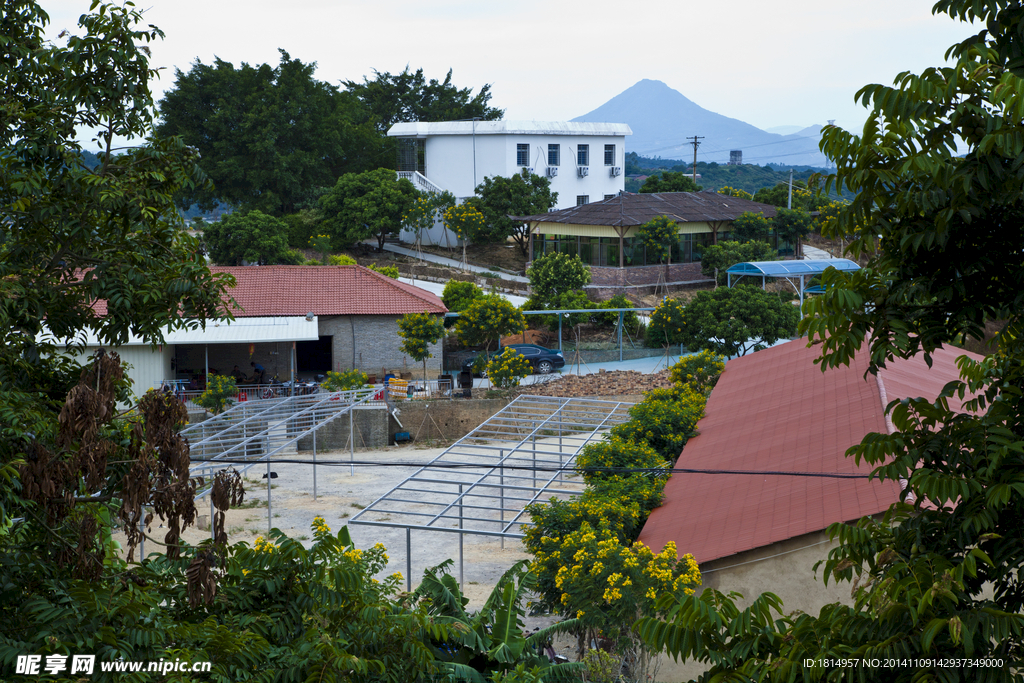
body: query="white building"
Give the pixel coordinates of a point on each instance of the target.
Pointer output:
(584, 161)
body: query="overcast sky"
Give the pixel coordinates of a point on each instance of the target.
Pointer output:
(794, 62)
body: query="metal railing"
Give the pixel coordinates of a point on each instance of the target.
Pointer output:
(420, 181)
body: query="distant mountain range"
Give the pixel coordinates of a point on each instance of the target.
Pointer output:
(662, 119)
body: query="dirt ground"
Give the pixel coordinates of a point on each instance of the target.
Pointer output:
(505, 256)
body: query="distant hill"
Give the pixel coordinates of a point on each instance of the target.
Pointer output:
(662, 119)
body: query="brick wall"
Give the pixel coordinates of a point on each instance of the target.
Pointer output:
(376, 344)
(645, 275)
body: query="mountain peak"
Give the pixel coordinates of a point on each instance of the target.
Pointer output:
(662, 118)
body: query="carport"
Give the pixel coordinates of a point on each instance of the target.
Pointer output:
(797, 273)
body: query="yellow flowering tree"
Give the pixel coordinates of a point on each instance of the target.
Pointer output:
(666, 324)
(507, 369)
(607, 585)
(698, 370)
(322, 245)
(418, 331)
(466, 222)
(219, 390)
(665, 420)
(344, 381)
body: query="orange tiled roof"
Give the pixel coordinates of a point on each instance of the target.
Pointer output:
(325, 290)
(776, 410)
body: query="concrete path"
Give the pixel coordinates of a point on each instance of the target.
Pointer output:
(443, 261)
(438, 289)
(814, 254)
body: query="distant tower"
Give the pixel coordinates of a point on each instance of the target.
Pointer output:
(831, 122)
(736, 157)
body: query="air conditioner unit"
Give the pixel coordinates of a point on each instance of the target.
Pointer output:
(582, 171)
(552, 171)
(616, 171)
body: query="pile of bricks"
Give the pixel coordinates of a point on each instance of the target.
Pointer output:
(613, 383)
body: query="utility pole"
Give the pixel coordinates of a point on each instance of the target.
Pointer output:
(789, 204)
(695, 141)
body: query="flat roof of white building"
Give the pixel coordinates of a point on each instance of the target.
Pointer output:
(418, 129)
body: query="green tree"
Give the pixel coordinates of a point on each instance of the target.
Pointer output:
(700, 371)
(555, 274)
(429, 208)
(409, 96)
(751, 227)
(792, 225)
(254, 237)
(778, 195)
(99, 249)
(487, 320)
(659, 235)
(525, 194)
(419, 331)
(733, 321)
(267, 136)
(718, 258)
(369, 204)
(668, 181)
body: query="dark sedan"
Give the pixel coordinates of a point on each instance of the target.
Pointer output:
(544, 361)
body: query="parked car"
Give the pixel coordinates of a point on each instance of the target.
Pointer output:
(544, 361)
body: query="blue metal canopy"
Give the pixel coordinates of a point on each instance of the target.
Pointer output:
(789, 268)
(797, 273)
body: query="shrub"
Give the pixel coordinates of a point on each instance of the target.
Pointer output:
(341, 260)
(508, 369)
(292, 257)
(665, 419)
(630, 319)
(390, 271)
(219, 390)
(700, 371)
(343, 381)
(457, 295)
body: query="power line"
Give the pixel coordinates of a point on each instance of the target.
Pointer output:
(542, 468)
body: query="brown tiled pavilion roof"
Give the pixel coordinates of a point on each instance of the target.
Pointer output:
(325, 290)
(776, 410)
(637, 209)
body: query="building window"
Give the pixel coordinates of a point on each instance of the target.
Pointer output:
(610, 196)
(554, 155)
(583, 155)
(609, 155)
(582, 199)
(522, 155)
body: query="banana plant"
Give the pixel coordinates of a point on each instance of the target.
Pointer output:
(490, 640)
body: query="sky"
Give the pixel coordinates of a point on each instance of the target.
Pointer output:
(783, 63)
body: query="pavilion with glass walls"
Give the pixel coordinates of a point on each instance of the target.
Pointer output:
(603, 234)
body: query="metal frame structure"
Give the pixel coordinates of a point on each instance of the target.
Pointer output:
(481, 484)
(260, 431)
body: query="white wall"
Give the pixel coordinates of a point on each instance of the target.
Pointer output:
(449, 163)
(149, 366)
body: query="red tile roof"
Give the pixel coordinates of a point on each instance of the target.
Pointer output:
(325, 290)
(776, 410)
